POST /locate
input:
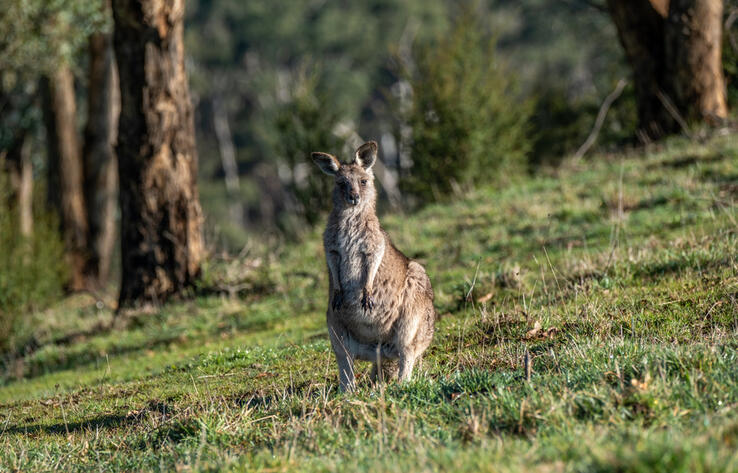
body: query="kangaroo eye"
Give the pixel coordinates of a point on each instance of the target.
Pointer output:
(363, 182)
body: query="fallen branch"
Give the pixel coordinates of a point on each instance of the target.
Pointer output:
(604, 108)
(669, 106)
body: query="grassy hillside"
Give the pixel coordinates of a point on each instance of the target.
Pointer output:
(619, 277)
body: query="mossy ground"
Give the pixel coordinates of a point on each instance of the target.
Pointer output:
(618, 276)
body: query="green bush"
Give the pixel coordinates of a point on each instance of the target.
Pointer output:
(32, 271)
(468, 123)
(303, 123)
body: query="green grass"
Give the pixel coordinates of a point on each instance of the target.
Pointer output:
(618, 276)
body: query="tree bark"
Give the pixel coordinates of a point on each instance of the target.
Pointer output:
(674, 50)
(65, 171)
(694, 48)
(100, 166)
(640, 26)
(161, 241)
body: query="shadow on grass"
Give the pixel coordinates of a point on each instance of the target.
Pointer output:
(100, 422)
(657, 270)
(85, 358)
(261, 399)
(719, 178)
(38, 367)
(686, 161)
(109, 421)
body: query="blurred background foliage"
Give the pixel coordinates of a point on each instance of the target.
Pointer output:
(32, 269)
(306, 119)
(39, 34)
(37, 37)
(456, 92)
(465, 112)
(296, 76)
(273, 80)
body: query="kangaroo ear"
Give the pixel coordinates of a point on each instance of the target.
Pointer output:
(326, 162)
(366, 155)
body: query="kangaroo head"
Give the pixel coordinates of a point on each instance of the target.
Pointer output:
(355, 180)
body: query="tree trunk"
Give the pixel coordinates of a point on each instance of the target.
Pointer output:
(640, 26)
(228, 160)
(674, 50)
(694, 48)
(100, 170)
(65, 171)
(20, 172)
(161, 241)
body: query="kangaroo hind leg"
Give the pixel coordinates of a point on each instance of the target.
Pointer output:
(345, 359)
(387, 372)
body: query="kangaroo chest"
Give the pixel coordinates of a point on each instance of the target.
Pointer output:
(352, 246)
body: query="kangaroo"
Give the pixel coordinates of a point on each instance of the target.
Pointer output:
(380, 303)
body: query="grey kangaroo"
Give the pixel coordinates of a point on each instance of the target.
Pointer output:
(380, 306)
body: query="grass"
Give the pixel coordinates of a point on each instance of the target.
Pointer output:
(617, 276)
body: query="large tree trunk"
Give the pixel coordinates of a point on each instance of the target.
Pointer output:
(674, 51)
(101, 173)
(20, 172)
(640, 26)
(161, 241)
(694, 48)
(65, 171)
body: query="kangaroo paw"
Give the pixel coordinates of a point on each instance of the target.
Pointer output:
(337, 300)
(367, 301)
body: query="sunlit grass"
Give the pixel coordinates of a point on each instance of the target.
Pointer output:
(618, 278)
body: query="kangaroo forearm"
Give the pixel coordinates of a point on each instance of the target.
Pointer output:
(333, 269)
(371, 266)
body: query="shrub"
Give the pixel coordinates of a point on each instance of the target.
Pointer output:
(305, 122)
(32, 271)
(468, 125)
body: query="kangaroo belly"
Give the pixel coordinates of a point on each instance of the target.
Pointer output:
(372, 351)
(377, 325)
(370, 326)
